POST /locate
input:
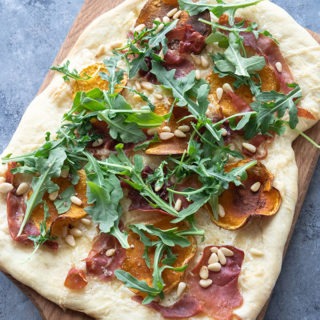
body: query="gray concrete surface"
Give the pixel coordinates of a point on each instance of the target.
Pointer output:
(31, 31)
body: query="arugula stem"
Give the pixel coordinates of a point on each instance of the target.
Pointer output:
(314, 143)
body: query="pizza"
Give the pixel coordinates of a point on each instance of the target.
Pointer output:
(156, 178)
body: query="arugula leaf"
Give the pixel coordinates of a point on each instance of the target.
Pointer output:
(233, 62)
(48, 169)
(63, 202)
(44, 235)
(104, 193)
(69, 74)
(217, 9)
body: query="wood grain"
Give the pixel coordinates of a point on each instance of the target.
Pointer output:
(90, 10)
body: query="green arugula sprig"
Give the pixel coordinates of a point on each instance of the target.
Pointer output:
(163, 259)
(145, 44)
(217, 9)
(69, 74)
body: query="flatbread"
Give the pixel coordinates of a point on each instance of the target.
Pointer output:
(262, 261)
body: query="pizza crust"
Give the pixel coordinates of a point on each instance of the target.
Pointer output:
(262, 240)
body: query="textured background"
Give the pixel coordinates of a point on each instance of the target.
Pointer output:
(31, 33)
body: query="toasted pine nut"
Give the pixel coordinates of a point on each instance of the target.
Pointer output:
(221, 211)
(2, 179)
(152, 131)
(23, 188)
(178, 205)
(219, 93)
(224, 132)
(213, 258)
(181, 287)
(172, 12)
(147, 85)
(5, 187)
(166, 135)
(53, 196)
(75, 200)
(256, 252)
(227, 252)
(138, 85)
(177, 15)
(204, 61)
(214, 249)
(250, 147)
(97, 143)
(215, 267)
(204, 272)
(278, 66)
(64, 232)
(115, 45)
(227, 87)
(140, 27)
(160, 27)
(222, 258)
(256, 186)
(166, 129)
(165, 19)
(198, 74)
(205, 283)
(76, 232)
(179, 134)
(110, 252)
(184, 128)
(69, 239)
(86, 221)
(158, 96)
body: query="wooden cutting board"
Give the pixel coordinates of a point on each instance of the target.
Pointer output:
(90, 10)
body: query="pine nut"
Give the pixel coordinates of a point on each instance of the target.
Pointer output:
(138, 85)
(205, 283)
(181, 287)
(256, 186)
(116, 45)
(157, 19)
(75, 200)
(65, 173)
(179, 134)
(213, 258)
(76, 232)
(198, 74)
(256, 252)
(97, 143)
(214, 249)
(250, 147)
(86, 221)
(160, 27)
(177, 15)
(158, 96)
(152, 131)
(227, 252)
(110, 252)
(219, 93)
(5, 187)
(224, 132)
(215, 267)
(172, 12)
(53, 196)
(166, 135)
(147, 85)
(23, 188)
(221, 211)
(204, 272)
(196, 60)
(227, 87)
(64, 232)
(178, 205)
(69, 239)
(157, 187)
(166, 129)
(184, 128)
(278, 66)
(2, 179)
(140, 27)
(165, 19)
(204, 62)
(222, 258)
